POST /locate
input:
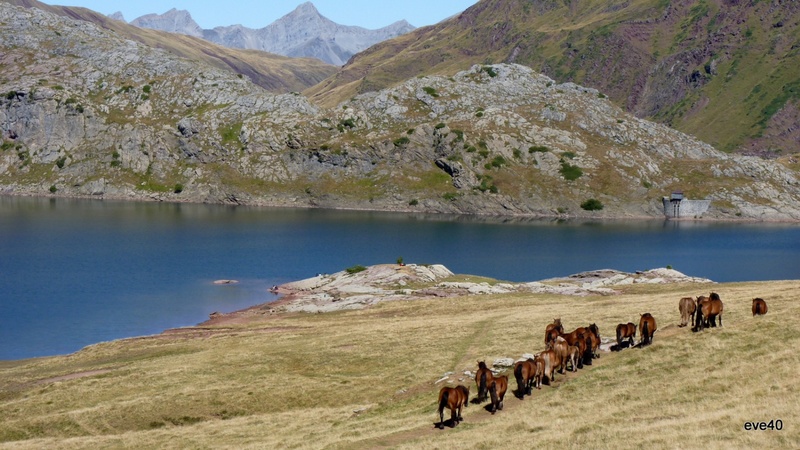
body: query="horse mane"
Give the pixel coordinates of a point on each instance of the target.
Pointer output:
(714, 296)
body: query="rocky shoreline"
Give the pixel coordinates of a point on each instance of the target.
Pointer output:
(361, 287)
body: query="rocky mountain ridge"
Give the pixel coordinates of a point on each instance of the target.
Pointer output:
(303, 32)
(724, 71)
(84, 112)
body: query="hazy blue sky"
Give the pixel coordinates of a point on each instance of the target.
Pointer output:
(369, 14)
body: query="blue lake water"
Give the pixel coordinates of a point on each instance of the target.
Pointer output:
(78, 272)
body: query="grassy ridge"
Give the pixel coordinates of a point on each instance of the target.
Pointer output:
(365, 379)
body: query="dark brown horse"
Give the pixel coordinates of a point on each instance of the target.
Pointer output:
(454, 398)
(552, 330)
(708, 310)
(483, 378)
(626, 331)
(524, 372)
(759, 307)
(647, 326)
(584, 344)
(498, 391)
(686, 306)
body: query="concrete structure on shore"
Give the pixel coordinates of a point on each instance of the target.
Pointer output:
(676, 206)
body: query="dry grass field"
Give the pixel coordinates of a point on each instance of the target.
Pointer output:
(367, 379)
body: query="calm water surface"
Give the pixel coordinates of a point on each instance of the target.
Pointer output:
(77, 272)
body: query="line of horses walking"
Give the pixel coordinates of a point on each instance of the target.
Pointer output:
(563, 351)
(572, 351)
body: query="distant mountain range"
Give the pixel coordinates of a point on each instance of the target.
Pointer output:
(302, 33)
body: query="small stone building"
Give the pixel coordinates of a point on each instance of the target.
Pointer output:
(676, 206)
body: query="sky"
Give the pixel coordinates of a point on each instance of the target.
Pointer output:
(370, 14)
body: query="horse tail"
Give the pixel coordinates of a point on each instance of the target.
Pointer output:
(482, 386)
(645, 334)
(520, 381)
(444, 398)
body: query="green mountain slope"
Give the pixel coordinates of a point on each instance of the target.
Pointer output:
(725, 71)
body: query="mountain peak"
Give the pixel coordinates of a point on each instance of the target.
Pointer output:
(173, 21)
(306, 7)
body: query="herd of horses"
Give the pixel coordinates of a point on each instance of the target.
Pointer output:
(572, 351)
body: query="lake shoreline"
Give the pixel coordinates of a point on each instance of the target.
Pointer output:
(292, 205)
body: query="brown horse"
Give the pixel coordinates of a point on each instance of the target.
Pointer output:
(561, 347)
(584, 345)
(551, 362)
(498, 391)
(453, 398)
(538, 371)
(626, 331)
(591, 332)
(647, 326)
(552, 330)
(483, 378)
(759, 308)
(574, 357)
(686, 306)
(708, 310)
(524, 372)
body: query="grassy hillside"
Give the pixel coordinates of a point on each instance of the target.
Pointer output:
(724, 71)
(367, 379)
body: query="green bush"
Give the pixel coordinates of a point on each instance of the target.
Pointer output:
(346, 123)
(498, 162)
(401, 141)
(355, 269)
(61, 161)
(413, 202)
(592, 205)
(178, 188)
(430, 91)
(53, 189)
(538, 149)
(440, 125)
(570, 172)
